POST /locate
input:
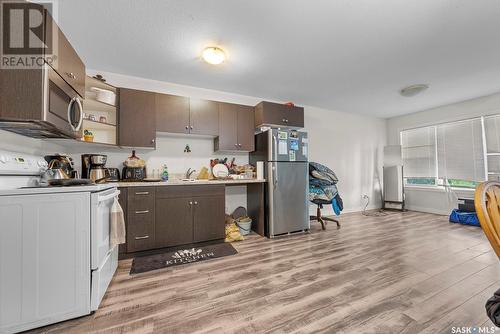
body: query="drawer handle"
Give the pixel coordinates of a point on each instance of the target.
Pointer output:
(143, 237)
(142, 193)
(142, 211)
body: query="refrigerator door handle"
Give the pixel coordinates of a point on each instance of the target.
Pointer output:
(275, 176)
(275, 150)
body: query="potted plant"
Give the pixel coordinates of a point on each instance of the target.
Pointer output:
(88, 135)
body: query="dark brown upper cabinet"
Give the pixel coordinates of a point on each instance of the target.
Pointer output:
(67, 62)
(137, 118)
(275, 114)
(246, 128)
(236, 128)
(172, 113)
(177, 114)
(203, 117)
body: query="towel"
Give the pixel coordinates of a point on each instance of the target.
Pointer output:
(117, 225)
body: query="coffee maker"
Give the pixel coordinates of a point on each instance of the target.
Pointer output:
(93, 167)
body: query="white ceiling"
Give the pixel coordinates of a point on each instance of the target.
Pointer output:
(348, 55)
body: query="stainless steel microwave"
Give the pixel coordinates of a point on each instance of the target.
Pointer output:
(39, 103)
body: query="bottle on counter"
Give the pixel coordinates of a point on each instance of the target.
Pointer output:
(164, 174)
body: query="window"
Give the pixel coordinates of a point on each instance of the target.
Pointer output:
(450, 154)
(460, 153)
(419, 156)
(492, 136)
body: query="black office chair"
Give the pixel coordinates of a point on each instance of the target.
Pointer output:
(320, 218)
(323, 191)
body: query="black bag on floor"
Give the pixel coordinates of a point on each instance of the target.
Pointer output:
(493, 308)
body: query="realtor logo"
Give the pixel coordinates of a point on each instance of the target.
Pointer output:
(27, 34)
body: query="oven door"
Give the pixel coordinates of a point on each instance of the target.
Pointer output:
(101, 203)
(64, 108)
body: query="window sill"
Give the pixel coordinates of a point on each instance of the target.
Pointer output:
(437, 189)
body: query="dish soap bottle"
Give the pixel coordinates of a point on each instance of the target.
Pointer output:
(164, 174)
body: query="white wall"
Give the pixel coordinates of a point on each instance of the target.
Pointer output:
(482, 106)
(12, 142)
(352, 146)
(349, 144)
(437, 200)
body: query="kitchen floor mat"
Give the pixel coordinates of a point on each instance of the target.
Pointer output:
(180, 256)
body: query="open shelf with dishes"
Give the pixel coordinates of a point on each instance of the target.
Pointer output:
(100, 112)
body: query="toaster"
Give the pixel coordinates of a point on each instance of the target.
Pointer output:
(114, 174)
(133, 173)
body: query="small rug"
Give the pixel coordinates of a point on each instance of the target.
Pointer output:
(181, 256)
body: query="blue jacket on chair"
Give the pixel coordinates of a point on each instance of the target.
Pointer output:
(323, 187)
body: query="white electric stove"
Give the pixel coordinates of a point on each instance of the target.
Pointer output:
(56, 261)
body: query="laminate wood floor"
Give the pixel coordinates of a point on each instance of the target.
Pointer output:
(401, 273)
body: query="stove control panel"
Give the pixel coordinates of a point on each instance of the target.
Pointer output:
(12, 163)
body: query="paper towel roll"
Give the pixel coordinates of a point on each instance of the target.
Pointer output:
(260, 170)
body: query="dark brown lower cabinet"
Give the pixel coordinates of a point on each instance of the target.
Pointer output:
(140, 219)
(174, 224)
(166, 216)
(208, 218)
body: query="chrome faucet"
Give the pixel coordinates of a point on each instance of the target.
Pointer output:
(189, 172)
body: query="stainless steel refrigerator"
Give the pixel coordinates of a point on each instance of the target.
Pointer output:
(284, 153)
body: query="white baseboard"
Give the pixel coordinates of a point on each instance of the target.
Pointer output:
(427, 210)
(328, 210)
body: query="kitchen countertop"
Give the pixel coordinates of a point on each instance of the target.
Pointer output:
(101, 187)
(186, 183)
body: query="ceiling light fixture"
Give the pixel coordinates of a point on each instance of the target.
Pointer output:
(413, 90)
(213, 55)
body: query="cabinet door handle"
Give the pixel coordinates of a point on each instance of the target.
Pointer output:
(236, 145)
(191, 127)
(187, 127)
(284, 120)
(143, 237)
(71, 75)
(142, 193)
(142, 211)
(195, 203)
(153, 141)
(190, 203)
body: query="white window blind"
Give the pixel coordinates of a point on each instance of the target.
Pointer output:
(492, 133)
(419, 152)
(460, 150)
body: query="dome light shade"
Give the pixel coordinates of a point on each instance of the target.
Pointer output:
(413, 90)
(213, 55)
